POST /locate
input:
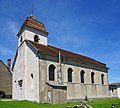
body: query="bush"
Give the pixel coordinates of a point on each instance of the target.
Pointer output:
(86, 98)
(2, 94)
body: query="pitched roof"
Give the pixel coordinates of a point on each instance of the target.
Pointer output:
(6, 66)
(35, 24)
(53, 51)
(115, 84)
(54, 83)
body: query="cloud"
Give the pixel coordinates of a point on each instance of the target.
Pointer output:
(11, 28)
(8, 28)
(5, 51)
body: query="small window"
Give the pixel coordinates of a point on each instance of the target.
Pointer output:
(112, 90)
(32, 76)
(102, 78)
(70, 75)
(20, 83)
(36, 38)
(92, 77)
(21, 39)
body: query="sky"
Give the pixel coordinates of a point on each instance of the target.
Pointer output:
(87, 27)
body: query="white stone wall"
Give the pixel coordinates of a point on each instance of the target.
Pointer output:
(26, 64)
(32, 68)
(19, 74)
(114, 93)
(118, 91)
(28, 34)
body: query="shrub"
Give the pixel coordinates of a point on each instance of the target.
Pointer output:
(2, 94)
(86, 98)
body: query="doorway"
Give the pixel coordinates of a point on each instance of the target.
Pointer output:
(49, 96)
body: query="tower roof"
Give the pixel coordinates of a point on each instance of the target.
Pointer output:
(32, 22)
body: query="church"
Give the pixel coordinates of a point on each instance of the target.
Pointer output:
(44, 73)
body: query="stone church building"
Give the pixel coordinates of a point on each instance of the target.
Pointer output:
(44, 73)
(6, 78)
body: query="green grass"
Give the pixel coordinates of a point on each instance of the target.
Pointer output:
(105, 103)
(27, 104)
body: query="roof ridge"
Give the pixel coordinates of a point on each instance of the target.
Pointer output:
(65, 53)
(54, 51)
(76, 54)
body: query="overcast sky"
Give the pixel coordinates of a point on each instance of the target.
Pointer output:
(88, 27)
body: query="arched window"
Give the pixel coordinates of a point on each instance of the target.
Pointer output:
(51, 73)
(92, 77)
(36, 38)
(70, 75)
(102, 78)
(82, 76)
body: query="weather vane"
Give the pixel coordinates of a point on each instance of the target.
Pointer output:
(32, 10)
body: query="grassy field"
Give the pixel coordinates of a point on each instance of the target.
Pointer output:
(26, 104)
(106, 103)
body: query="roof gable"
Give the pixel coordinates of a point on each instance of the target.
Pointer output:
(6, 67)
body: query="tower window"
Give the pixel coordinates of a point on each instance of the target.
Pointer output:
(21, 39)
(36, 38)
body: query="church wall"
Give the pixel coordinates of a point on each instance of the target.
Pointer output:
(76, 90)
(19, 74)
(44, 64)
(22, 35)
(29, 90)
(31, 74)
(113, 93)
(96, 90)
(59, 95)
(29, 34)
(118, 91)
(44, 88)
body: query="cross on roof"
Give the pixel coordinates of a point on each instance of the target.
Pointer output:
(32, 10)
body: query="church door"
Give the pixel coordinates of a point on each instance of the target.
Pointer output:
(49, 96)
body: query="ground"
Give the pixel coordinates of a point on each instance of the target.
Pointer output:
(105, 103)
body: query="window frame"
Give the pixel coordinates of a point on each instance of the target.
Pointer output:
(70, 76)
(102, 78)
(82, 76)
(36, 38)
(51, 72)
(92, 77)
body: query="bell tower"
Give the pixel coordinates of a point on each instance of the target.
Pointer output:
(33, 30)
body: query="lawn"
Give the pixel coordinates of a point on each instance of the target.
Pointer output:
(105, 103)
(27, 104)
